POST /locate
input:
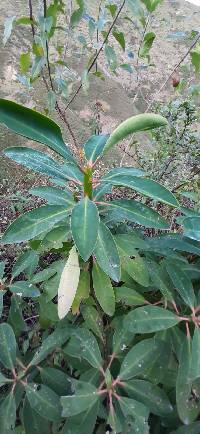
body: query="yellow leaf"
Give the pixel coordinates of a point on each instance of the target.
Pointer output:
(68, 283)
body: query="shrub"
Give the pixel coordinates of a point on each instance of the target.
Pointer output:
(175, 153)
(105, 338)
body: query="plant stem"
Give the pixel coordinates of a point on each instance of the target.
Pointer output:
(88, 189)
(97, 53)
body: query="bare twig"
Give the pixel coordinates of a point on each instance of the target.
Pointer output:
(57, 107)
(31, 17)
(97, 54)
(174, 70)
(139, 83)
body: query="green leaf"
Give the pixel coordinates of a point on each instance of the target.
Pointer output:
(136, 267)
(119, 36)
(25, 21)
(151, 5)
(94, 147)
(54, 196)
(150, 395)
(103, 290)
(113, 9)
(43, 275)
(127, 67)
(77, 14)
(129, 242)
(15, 317)
(141, 122)
(111, 58)
(147, 44)
(159, 280)
(57, 380)
(83, 291)
(195, 56)
(7, 346)
(85, 395)
(23, 262)
(121, 337)
(8, 25)
(53, 341)
(182, 283)
(52, 285)
(84, 226)
(147, 187)
(8, 413)
(125, 171)
(25, 61)
(133, 211)
(34, 126)
(24, 289)
(37, 65)
(44, 401)
(56, 237)
(187, 406)
(150, 319)
(43, 163)
(140, 358)
(92, 320)
(100, 191)
(195, 359)
(106, 253)
(192, 228)
(171, 241)
(33, 223)
(84, 422)
(33, 422)
(129, 296)
(131, 407)
(84, 345)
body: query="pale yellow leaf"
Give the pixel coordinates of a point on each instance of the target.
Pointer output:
(68, 283)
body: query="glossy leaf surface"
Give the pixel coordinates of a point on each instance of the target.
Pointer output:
(33, 125)
(84, 226)
(106, 253)
(44, 401)
(141, 122)
(84, 397)
(7, 346)
(150, 319)
(103, 290)
(33, 223)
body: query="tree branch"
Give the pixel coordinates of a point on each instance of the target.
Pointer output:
(174, 70)
(97, 54)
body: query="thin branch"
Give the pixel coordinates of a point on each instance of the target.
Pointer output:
(57, 107)
(97, 54)
(183, 183)
(140, 45)
(174, 70)
(31, 17)
(139, 83)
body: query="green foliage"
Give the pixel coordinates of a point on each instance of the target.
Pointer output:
(173, 158)
(108, 344)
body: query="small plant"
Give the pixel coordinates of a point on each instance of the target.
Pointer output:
(108, 340)
(174, 158)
